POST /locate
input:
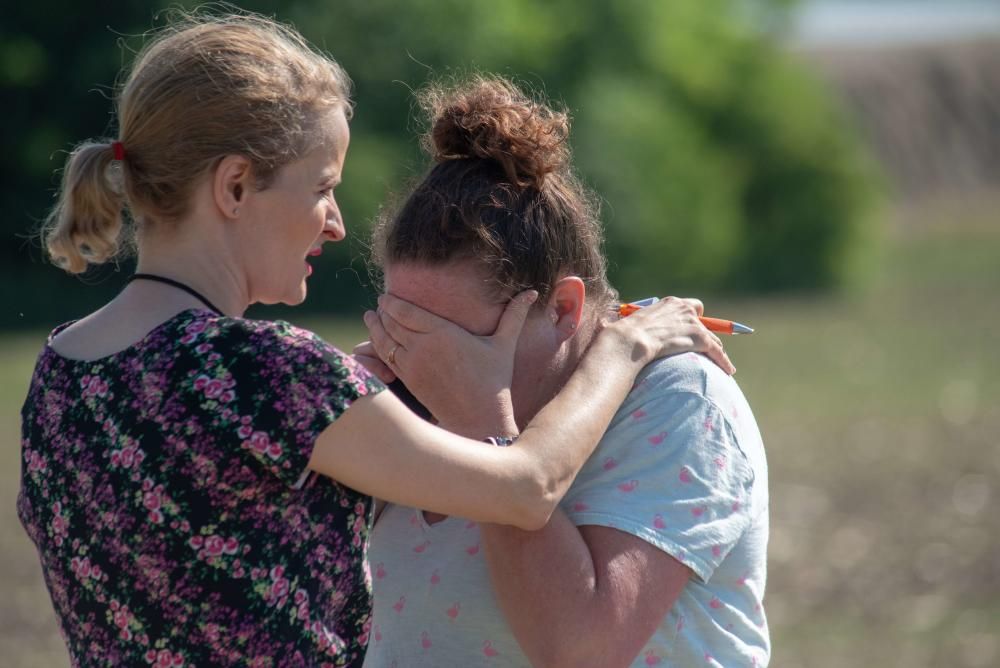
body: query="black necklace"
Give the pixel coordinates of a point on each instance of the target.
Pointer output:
(177, 284)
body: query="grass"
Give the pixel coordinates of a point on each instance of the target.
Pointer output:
(880, 413)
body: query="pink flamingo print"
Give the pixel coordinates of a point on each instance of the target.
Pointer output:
(472, 550)
(658, 522)
(656, 439)
(610, 463)
(425, 640)
(380, 570)
(419, 549)
(453, 610)
(652, 658)
(435, 578)
(400, 604)
(488, 649)
(628, 486)
(684, 475)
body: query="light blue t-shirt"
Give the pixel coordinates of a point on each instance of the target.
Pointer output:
(681, 467)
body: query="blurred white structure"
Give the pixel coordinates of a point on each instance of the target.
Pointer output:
(829, 23)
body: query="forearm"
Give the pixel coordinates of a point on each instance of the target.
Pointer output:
(563, 435)
(547, 588)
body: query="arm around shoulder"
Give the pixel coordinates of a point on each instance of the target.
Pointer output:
(381, 448)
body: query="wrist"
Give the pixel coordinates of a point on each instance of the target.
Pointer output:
(627, 344)
(495, 420)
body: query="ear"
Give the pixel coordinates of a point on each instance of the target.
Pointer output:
(232, 182)
(565, 306)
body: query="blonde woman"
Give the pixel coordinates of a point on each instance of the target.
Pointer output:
(198, 484)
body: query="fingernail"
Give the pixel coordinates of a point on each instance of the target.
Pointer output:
(530, 296)
(367, 317)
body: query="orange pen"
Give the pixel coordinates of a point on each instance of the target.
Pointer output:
(713, 324)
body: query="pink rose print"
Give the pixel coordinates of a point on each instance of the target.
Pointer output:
(652, 658)
(453, 610)
(488, 649)
(685, 475)
(36, 462)
(656, 439)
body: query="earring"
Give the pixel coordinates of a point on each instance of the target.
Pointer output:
(235, 210)
(572, 326)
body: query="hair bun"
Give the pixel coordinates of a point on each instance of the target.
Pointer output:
(493, 119)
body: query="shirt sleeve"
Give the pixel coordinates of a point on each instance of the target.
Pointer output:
(669, 471)
(286, 386)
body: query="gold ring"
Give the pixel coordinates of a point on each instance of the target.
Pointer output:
(390, 359)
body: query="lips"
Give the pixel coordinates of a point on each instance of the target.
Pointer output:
(315, 251)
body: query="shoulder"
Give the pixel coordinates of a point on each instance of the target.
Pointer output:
(266, 334)
(689, 373)
(278, 349)
(264, 341)
(682, 406)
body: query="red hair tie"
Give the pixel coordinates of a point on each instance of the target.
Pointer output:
(118, 150)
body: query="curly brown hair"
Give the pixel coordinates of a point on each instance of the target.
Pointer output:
(501, 190)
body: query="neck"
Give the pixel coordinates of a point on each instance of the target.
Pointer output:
(199, 262)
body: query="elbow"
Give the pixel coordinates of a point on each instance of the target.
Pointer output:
(536, 503)
(536, 515)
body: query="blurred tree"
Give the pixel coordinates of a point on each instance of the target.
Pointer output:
(722, 164)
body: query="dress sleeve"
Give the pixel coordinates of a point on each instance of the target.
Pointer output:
(285, 385)
(669, 471)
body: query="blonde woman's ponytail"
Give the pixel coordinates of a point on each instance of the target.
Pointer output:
(85, 226)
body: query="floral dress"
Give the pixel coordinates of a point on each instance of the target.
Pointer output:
(167, 491)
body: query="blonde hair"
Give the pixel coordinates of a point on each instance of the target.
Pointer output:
(201, 89)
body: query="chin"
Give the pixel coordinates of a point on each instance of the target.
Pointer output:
(295, 298)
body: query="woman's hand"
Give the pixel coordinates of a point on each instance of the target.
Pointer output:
(365, 353)
(669, 327)
(463, 379)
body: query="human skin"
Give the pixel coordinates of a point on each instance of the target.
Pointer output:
(240, 244)
(572, 595)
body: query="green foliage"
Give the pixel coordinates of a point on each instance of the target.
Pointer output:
(722, 164)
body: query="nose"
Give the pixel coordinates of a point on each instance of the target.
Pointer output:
(334, 227)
